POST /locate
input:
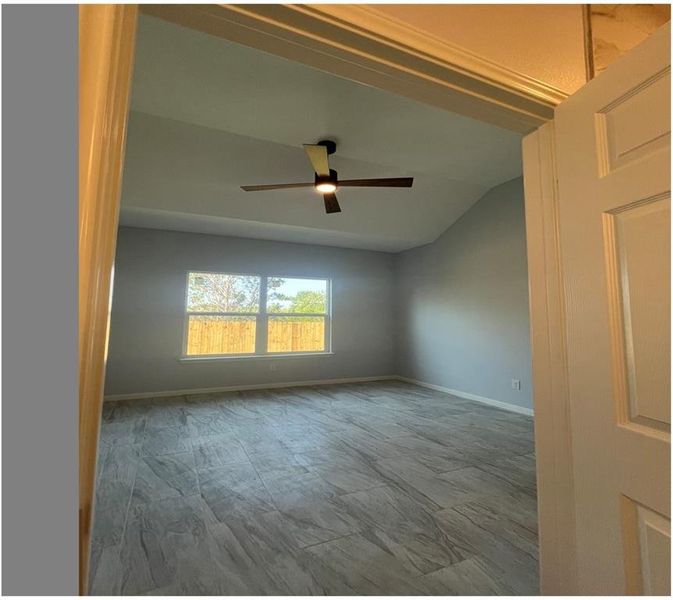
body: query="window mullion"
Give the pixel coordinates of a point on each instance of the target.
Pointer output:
(261, 331)
(328, 317)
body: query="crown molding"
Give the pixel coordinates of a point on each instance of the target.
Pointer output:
(400, 34)
(359, 43)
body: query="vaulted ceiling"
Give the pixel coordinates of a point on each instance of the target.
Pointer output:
(209, 116)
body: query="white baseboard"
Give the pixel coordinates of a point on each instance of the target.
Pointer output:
(237, 388)
(467, 396)
(288, 384)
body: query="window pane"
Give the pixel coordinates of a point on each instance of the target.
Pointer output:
(219, 292)
(220, 335)
(296, 334)
(296, 295)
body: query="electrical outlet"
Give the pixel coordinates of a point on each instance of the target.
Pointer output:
(516, 384)
(273, 367)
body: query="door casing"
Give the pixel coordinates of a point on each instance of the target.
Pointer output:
(553, 447)
(106, 46)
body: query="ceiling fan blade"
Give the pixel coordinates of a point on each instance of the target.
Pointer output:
(331, 204)
(383, 182)
(274, 186)
(317, 154)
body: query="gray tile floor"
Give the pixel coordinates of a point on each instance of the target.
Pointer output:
(373, 488)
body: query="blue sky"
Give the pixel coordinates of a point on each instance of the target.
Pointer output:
(291, 286)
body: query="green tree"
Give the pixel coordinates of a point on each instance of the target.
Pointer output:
(308, 302)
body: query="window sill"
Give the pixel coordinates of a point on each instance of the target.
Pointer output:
(189, 359)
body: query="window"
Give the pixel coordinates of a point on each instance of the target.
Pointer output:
(222, 313)
(296, 314)
(231, 315)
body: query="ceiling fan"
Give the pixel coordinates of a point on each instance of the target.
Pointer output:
(326, 181)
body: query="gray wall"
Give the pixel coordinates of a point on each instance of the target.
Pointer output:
(148, 310)
(452, 313)
(462, 307)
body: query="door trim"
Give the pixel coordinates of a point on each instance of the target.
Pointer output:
(387, 54)
(556, 505)
(106, 47)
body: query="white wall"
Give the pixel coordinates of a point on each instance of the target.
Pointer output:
(463, 303)
(542, 41)
(148, 310)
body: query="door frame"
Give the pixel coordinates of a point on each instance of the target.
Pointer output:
(106, 48)
(387, 54)
(553, 444)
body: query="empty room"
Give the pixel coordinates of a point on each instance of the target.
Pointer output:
(356, 317)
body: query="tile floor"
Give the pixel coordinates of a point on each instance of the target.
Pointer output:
(380, 488)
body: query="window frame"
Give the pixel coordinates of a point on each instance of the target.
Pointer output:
(261, 320)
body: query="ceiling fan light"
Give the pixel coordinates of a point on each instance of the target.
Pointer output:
(326, 184)
(326, 187)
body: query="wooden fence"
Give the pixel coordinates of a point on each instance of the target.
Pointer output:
(208, 335)
(296, 336)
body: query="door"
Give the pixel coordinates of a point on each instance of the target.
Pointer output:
(612, 145)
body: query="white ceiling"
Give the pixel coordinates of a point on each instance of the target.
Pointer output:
(209, 116)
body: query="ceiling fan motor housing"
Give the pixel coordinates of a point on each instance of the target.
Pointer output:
(330, 145)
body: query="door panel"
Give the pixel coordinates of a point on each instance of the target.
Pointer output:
(647, 549)
(635, 124)
(638, 301)
(613, 164)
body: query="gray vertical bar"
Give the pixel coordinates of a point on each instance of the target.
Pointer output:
(39, 277)
(262, 324)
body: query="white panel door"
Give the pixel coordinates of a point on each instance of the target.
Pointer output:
(613, 160)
